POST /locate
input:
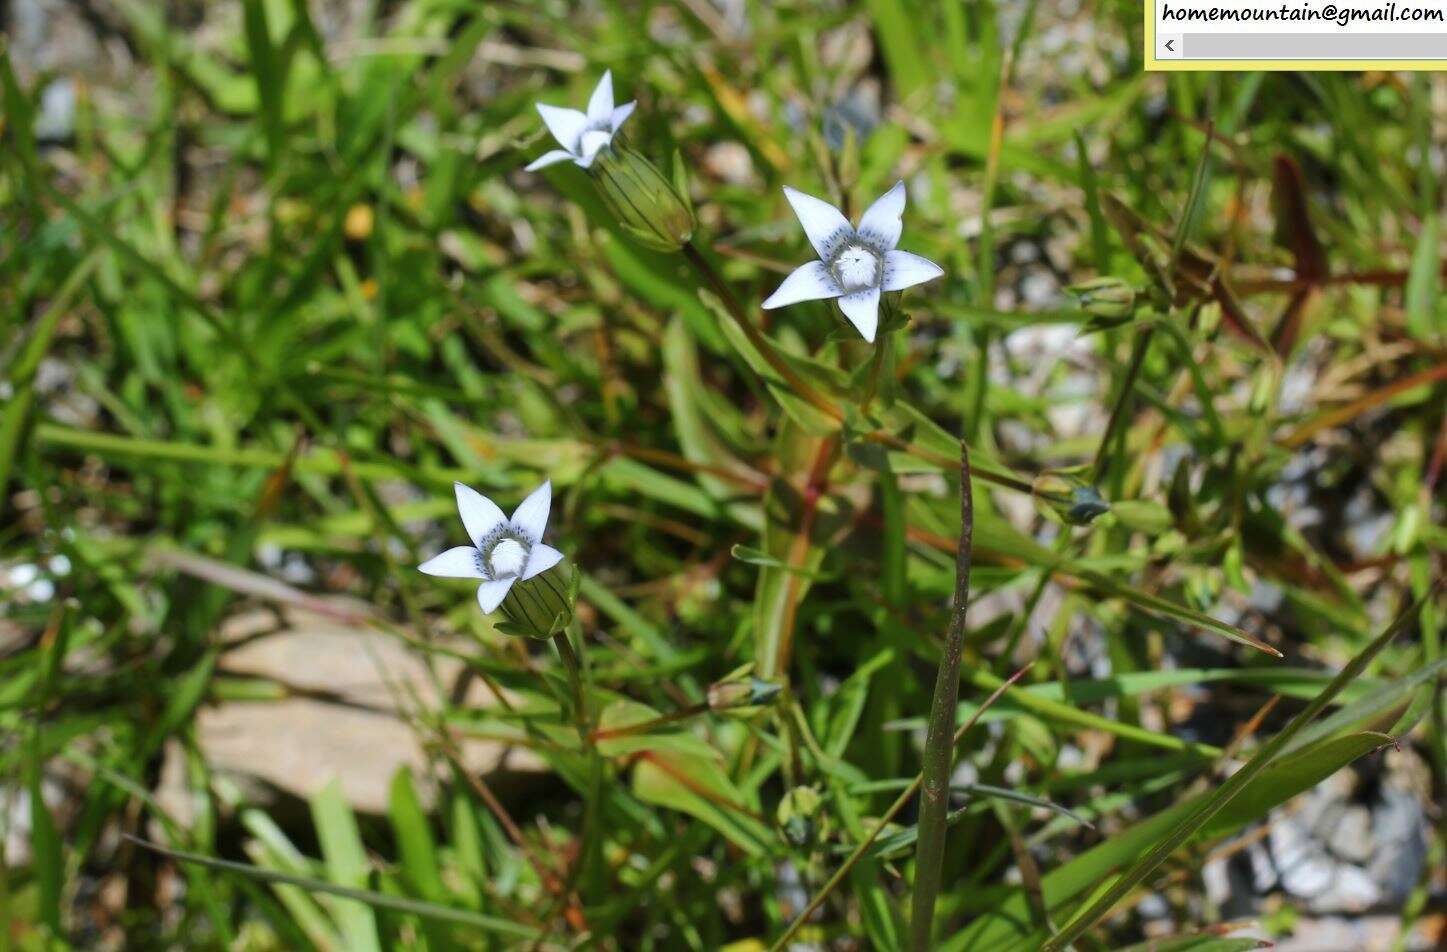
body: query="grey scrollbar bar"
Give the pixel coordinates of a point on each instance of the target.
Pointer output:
(1333, 46)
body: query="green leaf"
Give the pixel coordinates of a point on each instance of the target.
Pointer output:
(1202, 815)
(622, 714)
(47, 855)
(699, 787)
(269, 74)
(1423, 280)
(1382, 704)
(346, 864)
(753, 556)
(847, 705)
(894, 24)
(1004, 926)
(414, 838)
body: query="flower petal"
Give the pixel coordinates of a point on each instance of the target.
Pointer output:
(491, 594)
(594, 140)
(549, 158)
(459, 562)
(619, 114)
(809, 282)
(904, 270)
(531, 516)
(540, 559)
(881, 222)
(566, 125)
(862, 309)
(479, 514)
(600, 104)
(825, 225)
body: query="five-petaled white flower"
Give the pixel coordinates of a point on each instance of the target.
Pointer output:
(855, 264)
(503, 550)
(582, 135)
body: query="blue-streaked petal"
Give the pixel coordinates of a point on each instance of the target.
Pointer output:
(600, 104)
(904, 270)
(862, 309)
(479, 514)
(540, 559)
(593, 141)
(881, 223)
(491, 594)
(825, 225)
(619, 114)
(809, 282)
(566, 125)
(549, 158)
(531, 516)
(459, 562)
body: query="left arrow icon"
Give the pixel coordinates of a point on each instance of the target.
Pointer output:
(1169, 46)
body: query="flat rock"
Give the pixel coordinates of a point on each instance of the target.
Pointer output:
(350, 723)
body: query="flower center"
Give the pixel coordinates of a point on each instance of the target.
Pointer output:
(856, 268)
(507, 558)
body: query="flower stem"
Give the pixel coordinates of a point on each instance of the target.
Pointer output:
(938, 746)
(762, 344)
(575, 678)
(878, 355)
(899, 804)
(1127, 385)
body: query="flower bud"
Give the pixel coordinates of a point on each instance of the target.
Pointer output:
(796, 815)
(731, 694)
(641, 199)
(1108, 301)
(1063, 497)
(539, 607)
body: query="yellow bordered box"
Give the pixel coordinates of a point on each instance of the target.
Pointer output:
(1338, 35)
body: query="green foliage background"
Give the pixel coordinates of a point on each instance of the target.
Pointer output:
(301, 284)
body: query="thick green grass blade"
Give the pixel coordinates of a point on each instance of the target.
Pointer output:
(1223, 796)
(347, 866)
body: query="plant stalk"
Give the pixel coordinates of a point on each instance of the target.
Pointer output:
(766, 349)
(938, 745)
(1117, 413)
(899, 803)
(575, 680)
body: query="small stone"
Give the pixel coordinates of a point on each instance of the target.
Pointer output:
(1351, 835)
(351, 726)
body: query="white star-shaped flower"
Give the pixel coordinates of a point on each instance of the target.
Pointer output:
(503, 550)
(583, 134)
(855, 264)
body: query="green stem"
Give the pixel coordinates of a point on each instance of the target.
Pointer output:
(982, 385)
(1122, 398)
(899, 803)
(938, 745)
(942, 460)
(575, 680)
(643, 727)
(880, 352)
(761, 343)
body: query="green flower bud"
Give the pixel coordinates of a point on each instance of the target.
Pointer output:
(796, 815)
(1064, 497)
(732, 694)
(641, 199)
(541, 606)
(1109, 301)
